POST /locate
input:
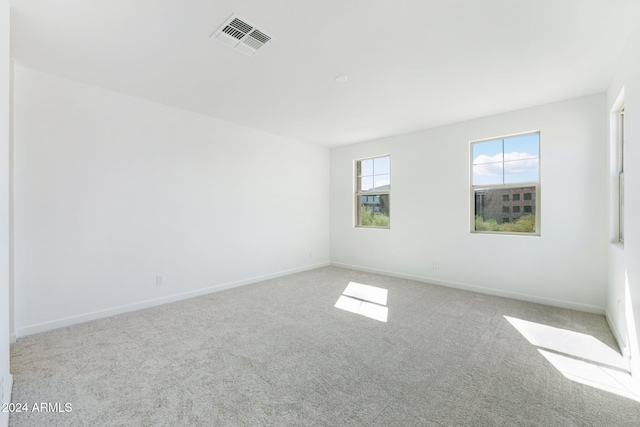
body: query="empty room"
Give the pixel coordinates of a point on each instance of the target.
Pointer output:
(301, 213)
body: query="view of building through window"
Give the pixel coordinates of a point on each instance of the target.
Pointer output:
(505, 184)
(373, 177)
(491, 203)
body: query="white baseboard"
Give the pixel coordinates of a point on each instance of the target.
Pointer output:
(622, 345)
(6, 398)
(100, 314)
(480, 289)
(626, 353)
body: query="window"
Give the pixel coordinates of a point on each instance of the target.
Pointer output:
(504, 168)
(621, 175)
(617, 137)
(373, 190)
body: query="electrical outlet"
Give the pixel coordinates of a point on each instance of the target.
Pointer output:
(159, 280)
(436, 266)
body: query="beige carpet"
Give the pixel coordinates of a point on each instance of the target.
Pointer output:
(279, 353)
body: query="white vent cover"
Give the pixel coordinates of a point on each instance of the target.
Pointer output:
(241, 35)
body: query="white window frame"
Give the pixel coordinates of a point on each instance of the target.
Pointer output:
(617, 170)
(359, 194)
(535, 184)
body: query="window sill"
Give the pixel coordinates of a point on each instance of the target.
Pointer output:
(505, 233)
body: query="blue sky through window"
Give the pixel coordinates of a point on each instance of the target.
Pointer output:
(375, 173)
(506, 161)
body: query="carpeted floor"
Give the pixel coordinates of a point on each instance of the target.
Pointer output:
(278, 353)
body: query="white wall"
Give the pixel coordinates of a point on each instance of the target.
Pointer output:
(112, 190)
(430, 209)
(624, 261)
(5, 81)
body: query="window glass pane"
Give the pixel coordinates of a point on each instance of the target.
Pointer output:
(499, 163)
(621, 137)
(382, 182)
(366, 183)
(489, 207)
(366, 167)
(382, 165)
(522, 147)
(487, 174)
(487, 152)
(521, 171)
(374, 211)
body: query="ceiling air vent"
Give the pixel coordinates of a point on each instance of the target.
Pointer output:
(241, 35)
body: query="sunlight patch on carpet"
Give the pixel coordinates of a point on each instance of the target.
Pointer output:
(365, 300)
(580, 357)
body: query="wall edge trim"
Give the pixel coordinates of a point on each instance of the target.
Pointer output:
(622, 345)
(8, 388)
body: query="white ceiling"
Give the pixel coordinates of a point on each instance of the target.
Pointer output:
(412, 64)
